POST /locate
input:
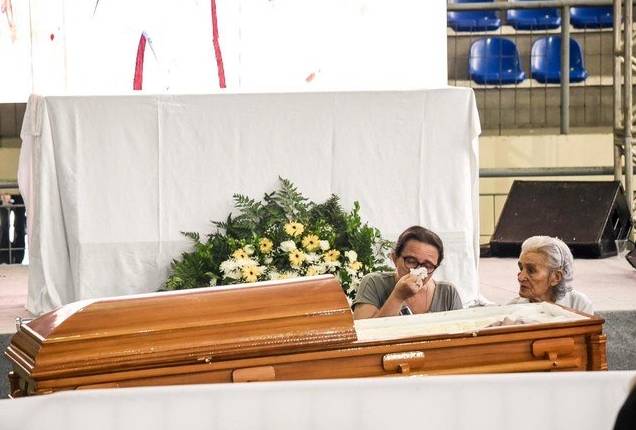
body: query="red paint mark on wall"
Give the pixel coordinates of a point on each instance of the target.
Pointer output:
(217, 47)
(139, 63)
(7, 8)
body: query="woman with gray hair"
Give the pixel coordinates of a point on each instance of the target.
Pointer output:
(546, 271)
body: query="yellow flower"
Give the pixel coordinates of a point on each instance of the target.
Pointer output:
(265, 245)
(294, 228)
(355, 265)
(239, 254)
(311, 242)
(332, 255)
(316, 269)
(312, 271)
(296, 257)
(251, 273)
(287, 275)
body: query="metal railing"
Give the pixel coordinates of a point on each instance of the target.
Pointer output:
(547, 171)
(589, 91)
(624, 70)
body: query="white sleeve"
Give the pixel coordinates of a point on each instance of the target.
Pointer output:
(582, 303)
(518, 300)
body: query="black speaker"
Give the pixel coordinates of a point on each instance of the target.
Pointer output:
(631, 258)
(588, 216)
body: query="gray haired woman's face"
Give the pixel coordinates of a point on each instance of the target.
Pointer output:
(535, 277)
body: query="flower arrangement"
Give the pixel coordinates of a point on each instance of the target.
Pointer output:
(283, 236)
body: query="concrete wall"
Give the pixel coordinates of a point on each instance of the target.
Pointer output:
(11, 115)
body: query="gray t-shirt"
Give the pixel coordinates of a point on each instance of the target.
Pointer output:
(375, 288)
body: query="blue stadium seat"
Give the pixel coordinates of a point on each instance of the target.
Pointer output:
(546, 61)
(474, 20)
(494, 61)
(534, 19)
(592, 17)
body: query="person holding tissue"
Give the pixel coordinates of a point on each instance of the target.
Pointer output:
(411, 288)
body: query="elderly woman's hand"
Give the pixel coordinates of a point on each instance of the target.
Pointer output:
(407, 286)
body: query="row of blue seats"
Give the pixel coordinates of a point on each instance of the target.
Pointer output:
(529, 19)
(495, 61)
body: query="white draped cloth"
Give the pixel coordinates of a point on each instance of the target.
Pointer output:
(530, 401)
(110, 182)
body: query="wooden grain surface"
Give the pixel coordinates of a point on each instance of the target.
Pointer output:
(278, 331)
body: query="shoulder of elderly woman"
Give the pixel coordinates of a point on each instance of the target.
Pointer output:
(577, 301)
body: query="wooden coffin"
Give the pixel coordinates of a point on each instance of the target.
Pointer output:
(285, 330)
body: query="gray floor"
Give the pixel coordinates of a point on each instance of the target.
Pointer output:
(4, 366)
(620, 328)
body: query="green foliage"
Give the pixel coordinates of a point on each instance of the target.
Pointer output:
(284, 235)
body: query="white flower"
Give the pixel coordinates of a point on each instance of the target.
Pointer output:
(249, 249)
(350, 271)
(276, 276)
(235, 274)
(287, 275)
(268, 260)
(322, 268)
(312, 257)
(331, 265)
(244, 262)
(351, 255)
(351, 289)
(317, 269)
(228, 266)
(287, 246)
(324, 245)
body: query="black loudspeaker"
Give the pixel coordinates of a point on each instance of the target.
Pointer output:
(588, 216)
(631, 258)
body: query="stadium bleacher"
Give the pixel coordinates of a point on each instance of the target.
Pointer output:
(546, 61)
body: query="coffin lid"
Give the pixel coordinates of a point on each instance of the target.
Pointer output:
(208, 324)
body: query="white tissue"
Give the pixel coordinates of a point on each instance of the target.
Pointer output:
(420, 272)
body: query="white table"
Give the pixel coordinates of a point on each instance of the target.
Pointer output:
(547, 401)
(109, 182)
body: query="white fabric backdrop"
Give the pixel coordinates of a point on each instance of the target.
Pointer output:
(109, 182)
(89, 47)
(547, 401)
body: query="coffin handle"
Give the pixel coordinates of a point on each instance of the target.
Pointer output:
(516, 367)
(403, 362)
(552, 349)
(254, 374)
